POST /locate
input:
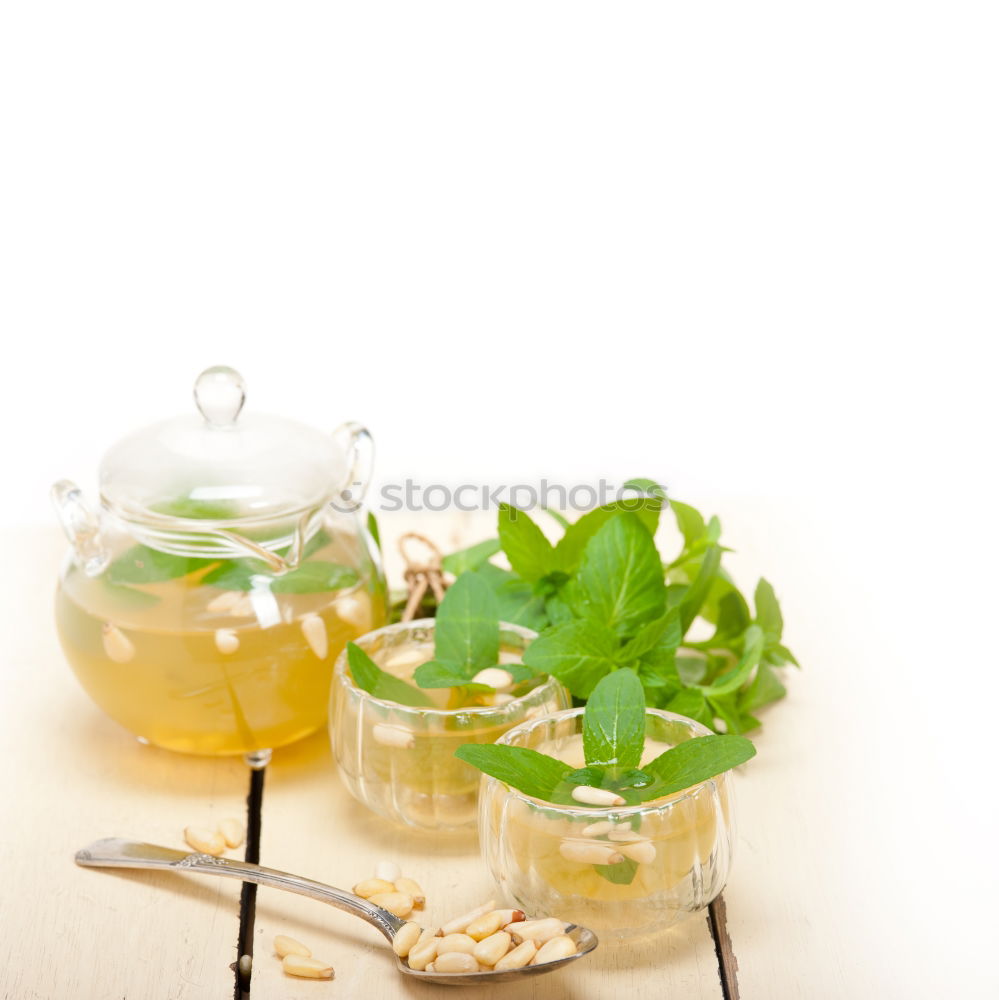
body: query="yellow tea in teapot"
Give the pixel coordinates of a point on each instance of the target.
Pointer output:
(217, 656)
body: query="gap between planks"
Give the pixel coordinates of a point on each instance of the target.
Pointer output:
(248, 895)
(728, 966)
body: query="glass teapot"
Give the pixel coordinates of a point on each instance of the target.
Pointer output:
(204, 605)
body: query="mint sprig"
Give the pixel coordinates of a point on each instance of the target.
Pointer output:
(603, 597)
(380, 683)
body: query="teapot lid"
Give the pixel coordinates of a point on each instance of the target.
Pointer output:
(221, 466)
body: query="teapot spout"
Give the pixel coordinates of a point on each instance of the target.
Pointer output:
(82, 527)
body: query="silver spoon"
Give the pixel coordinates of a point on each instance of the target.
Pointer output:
(116, 853)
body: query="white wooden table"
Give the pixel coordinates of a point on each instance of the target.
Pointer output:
(831, 895)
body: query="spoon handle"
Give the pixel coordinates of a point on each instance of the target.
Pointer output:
(116, 853)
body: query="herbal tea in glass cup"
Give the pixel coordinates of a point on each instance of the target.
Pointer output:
(628, 844)
(203, 607)
(398, 759)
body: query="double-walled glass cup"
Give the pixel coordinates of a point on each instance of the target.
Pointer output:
(625, 871)
(399, 761)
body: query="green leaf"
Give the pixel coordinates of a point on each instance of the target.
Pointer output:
(530, 553)
(315, 577)
(766, 688)
(689, 521)
(471, 558)
(778, 655)
(434, 674)
(620, 580)
(202, 510)
(738, 675)
(570, 547)
(623, 873)
(691, 669)
(698, 591)
(368, 676)
(530, 772)
(768, 615)
(662, 633)
(466, 634)
(578, 653)
(727, 709)
(373, 530)
(691, 703)
(142, 564)
(694, 761)
(614, 721)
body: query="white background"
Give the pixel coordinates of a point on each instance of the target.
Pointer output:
(749, 250)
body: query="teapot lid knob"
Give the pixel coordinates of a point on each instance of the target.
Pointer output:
(220, 393)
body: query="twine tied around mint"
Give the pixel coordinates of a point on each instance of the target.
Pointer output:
(421, 576)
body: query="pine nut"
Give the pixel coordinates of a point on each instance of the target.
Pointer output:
(585, 853)
(314, 630)
(245, 966)
(405, 938)
(503, 699)
(494, 677)
(306, 968)
(405, 657)
(536, 930)
(423, 954)
(510, 656)
(517, 958)
(460, 924)
(355, 609)
(456, 942)
(205, 841)
(596, 796)
(226, 640)
(411, 888)
(643, 851)
(455, 961)
(397, 903)
(604, 826)
(625, 836)
(511, 916)
(117, 645)
(224, 602)
(372, 886)
(489, 923)
(491, 949)
(285, 945)
(232, 832)
(389, 871)
(393, 736)
(555, 948)
(242, 607)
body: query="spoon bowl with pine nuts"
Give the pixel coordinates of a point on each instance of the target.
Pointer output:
(483, 947)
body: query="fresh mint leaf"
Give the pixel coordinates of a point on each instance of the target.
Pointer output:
(732, 618)
(535, 774)
(374, 531)
(691, 669)
(368, 676)
(466, 634)
(694, 761)
(779, 655)
(661, 633)
(692, 704)
(623, 873)
(698, 591)
(142, 564)
(740, 673)
(531, 554)
(768, 615)
(690, 523)
(471, 558)
(558, 609)
(727, 709)
(578, 653)
(614, 721)
(315, 577)
(434, 674)
(571, 545)
(201, 510)
(766, 688)
(620, 579)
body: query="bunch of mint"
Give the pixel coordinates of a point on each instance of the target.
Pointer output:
(604, 598)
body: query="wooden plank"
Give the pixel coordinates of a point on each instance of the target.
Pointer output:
(72, 776)
(313, 827)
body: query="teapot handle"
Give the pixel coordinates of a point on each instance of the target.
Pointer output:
(82, 527)
(359, 450)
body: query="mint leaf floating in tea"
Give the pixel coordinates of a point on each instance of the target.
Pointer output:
(466, 632)
(368, 676)
(614, 776)
(142, 564)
